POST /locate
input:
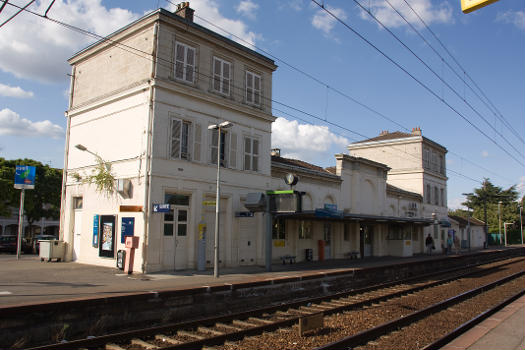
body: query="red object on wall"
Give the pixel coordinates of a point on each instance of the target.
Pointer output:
(132, 243)
(320, 247)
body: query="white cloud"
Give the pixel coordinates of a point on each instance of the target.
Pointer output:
(517, 18)
(10, 91)
(430, 13)
(323, 21)
(12, 124)
(209, 11)
(247, 8)
(455, 203)
(304, 141)
(36, 48)
(484, 154)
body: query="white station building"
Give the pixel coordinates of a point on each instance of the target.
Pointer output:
(143, 100)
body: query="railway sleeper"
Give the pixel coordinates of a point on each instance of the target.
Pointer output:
(227, 326)
(183, 333)
(209, 330)
(144, 344)
(260, 320)
(244, 324)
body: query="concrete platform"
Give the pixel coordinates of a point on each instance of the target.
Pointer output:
(30, 281)
(505, 330)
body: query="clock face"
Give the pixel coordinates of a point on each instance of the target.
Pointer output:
(290, 179)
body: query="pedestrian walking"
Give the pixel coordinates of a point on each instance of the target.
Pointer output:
(456, 244)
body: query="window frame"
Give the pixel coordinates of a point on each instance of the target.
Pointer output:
(279, 229)
(304, 229)
(220, 77)
(187, 138)
(252, 94)
(184, 62)
(224, 148)
(249, 154)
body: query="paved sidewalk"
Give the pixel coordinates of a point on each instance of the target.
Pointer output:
(504, 330)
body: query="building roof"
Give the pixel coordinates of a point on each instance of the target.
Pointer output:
(396, 135)
(397, 190)
(186, 22)
(387, 136)
(302, 165)
(464, 221)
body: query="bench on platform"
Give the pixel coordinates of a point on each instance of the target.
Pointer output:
(288, 258)
(352, 255)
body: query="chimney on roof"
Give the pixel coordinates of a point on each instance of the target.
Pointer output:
(276, 152)
(416, 131)
(184, 11)
(383, 133)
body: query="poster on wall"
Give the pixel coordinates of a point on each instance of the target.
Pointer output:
(107, 236)
(94, 242)
(128, 228)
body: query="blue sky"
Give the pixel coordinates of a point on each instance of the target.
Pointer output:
(306, 42)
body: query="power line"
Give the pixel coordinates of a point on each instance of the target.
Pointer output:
(432, 92)
(466, 73)
(16, 14)
(295, 68)
(435, 74)
(149, 57)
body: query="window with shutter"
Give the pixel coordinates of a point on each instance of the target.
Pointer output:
(253, 88)
(221, 76)
(180, 139)
(223, 147)
(184, 62)
(251, 154)
(197, 143)
(233, 150)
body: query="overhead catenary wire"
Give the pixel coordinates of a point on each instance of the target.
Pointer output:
(497, 112)
(443, 60)
(16, 13)
(437, 76)
(148, 56)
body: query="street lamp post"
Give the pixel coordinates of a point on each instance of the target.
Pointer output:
(505, 230)
(219, 128)
(521, 227)
(468, 220)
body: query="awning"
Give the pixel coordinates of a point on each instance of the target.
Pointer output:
(349, 217)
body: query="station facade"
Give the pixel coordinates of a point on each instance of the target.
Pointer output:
(141, 106)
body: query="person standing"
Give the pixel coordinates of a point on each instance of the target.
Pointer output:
(449, 244)
(429, 244)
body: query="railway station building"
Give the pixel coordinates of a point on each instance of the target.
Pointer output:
(144, 108)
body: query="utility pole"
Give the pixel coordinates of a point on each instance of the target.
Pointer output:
(499, 219)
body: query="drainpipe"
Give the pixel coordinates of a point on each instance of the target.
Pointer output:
(149, 138)
(64, 171)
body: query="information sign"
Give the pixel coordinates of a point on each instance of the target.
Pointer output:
(128, 228)
(25, 177)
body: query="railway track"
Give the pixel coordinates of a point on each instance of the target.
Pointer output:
(233, 331)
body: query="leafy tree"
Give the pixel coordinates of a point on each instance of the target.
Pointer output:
(487, 198)
(41, 202)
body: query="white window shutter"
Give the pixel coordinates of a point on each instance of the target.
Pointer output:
(226, 78)
(190, 63)
(197, 143)
(233, 150)
(175, 138)
(179, 61)
(249, 87)
(212, 136)
(256, 89)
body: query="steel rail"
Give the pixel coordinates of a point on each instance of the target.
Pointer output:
(209, 321)
(473, 322)
(364, 337)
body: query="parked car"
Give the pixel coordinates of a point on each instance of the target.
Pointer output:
(37, 238)
(8, 244)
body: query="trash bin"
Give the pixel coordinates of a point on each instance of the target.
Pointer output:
(121, 258)
(308, 254)
(51, 249)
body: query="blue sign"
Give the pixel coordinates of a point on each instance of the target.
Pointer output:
(25, 177)
(128, 228)
(161, 208)
(330, 207)
(96, 220)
